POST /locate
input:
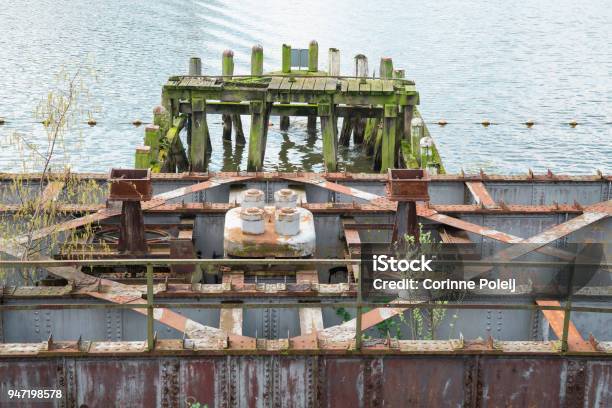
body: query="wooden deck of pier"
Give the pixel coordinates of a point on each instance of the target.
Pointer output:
(378, 112)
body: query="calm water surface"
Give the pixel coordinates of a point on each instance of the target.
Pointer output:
(550, 61)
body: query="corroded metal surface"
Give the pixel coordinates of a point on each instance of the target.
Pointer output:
(317, 381)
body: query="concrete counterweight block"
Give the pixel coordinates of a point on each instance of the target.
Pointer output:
(287, 221)
(253, 221)
(285, 198)
(253, 198)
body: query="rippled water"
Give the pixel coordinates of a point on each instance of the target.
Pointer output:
(550, 61)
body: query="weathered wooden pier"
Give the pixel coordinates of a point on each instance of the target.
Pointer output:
(379, 112)
(246, 288)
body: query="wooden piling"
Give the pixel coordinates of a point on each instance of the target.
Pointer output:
(313, 56)
(361, 70)
(361, 65)
(227, 69)
(346, 130)
(260, 114)
(198, 148)
(384, 146)
(286, 59)
(152, 137)
(330, 138)
(257, 61)
(195, 66)
(143, 157)
(386, 68)
(389, 133)
(333, 62)
(311, 126)
(284, 123)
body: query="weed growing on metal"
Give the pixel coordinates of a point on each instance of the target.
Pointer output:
(37, 204)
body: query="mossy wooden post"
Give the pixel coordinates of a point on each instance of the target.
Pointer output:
(198, 149)
(143, 157)
(399, 134)
(386, 68)
(311, 126)
(382, 149)
(152, 137)
(389, 146)
(257, 59)
(361, 71)
(330, 138)
(313, 56)
(260, 114)
(333, 62)
(347, 129)
(195, 66)
(286, 59)
(286, 68)
(227, 69)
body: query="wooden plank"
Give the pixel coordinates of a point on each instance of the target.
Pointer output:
(365, 87)
(297, 85)
(320, 84)
(387, 85)
(285, 85)
(353, 85)
(331, 84)
(344, 84)
(376, 85)
(275, 83)
(309, 84)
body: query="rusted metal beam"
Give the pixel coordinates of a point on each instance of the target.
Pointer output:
(52, 191)
(536, 242)
(230, 320)
(311, 318)
(158, 200)
(481, 194)
(555, 318)
(331, 176)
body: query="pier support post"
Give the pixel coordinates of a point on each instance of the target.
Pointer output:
(260, 114)
(359, 126)
(386, 68)
(286, 59)
(330, 138)
(143, 157)
(313, 56)
(198, 148)
(388, 156)
(311, 126)
(348, 123)
(195, 66)
(257, 61)
(227, 69)
(333, 62)
(284, 123)
(152, 137)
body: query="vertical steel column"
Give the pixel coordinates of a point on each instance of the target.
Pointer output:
(150, 319)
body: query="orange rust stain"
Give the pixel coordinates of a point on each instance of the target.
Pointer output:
(555, 318)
